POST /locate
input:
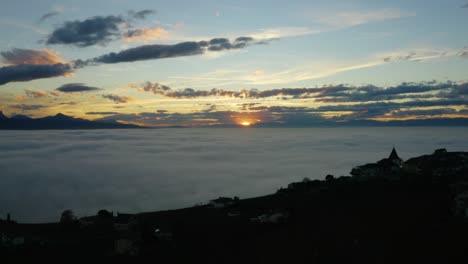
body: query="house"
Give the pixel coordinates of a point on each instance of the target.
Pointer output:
(162, 234)
(278, 218)
(122, 222)
(259, 219)
(15, 241)
(222, 202)
(365, 171)
(305, 185)
(460, 198)
(387, 168)
(442, 166)
(4, 239)
(7, 221)
(272, 218)
(85, 222)
(233, 214)
(440, 151)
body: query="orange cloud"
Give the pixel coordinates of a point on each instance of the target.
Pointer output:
(35, 94)
(27, 56)
(139, 35)
(55, 93)
(20, 97)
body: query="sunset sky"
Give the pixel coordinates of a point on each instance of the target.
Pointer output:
(190, 63)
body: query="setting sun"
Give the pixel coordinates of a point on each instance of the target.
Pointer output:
(245, 123)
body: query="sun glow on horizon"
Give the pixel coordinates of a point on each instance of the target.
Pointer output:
(245, 123)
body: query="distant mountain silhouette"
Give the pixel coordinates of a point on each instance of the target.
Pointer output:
(20, 117)
(2, 116)
(59, 121)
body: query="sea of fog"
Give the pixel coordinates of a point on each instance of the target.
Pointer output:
(43, 173)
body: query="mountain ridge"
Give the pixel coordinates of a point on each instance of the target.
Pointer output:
(58, 121)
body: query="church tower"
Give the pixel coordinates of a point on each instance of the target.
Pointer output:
(394, 155)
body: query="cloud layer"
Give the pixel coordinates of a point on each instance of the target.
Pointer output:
(35, 64)
(327, 93)
(147, 170)
(333, 104)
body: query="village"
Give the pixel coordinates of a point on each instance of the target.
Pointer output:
(387, 209)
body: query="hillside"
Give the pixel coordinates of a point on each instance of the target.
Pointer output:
(404, 215)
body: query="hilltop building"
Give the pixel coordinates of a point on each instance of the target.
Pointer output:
(388, 168)
(222, 202)
(394, 155)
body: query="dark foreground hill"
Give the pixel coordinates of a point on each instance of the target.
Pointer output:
(405, 212)
(59, 121)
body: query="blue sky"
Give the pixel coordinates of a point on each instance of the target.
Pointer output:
(291, 45)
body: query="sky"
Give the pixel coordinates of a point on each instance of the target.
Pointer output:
(194, 63)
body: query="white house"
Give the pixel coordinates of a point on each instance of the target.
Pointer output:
(163, 235)
(221, 202)
(274, 218)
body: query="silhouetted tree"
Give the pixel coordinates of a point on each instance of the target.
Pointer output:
(104, 214)
(67, 217)
(329, 178)
(68, 221)
(105, 219)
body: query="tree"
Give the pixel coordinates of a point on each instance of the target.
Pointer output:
(67, 217)
(104, 214)
(329, 178)
(105, 219)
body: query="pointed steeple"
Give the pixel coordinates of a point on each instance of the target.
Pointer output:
(394, 155)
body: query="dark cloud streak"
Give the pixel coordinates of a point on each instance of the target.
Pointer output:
(151, 52)
(101, 113)
(25, 107)
(96, 30)
(117, 98)
(47, 16)
(76, 87)
(29, 72)
(431, 112)
(141, 14)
